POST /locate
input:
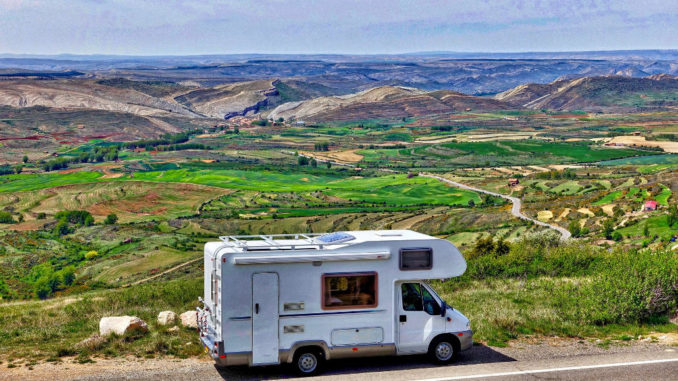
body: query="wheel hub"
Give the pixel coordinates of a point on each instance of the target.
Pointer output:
(444, 351)
(307, 362)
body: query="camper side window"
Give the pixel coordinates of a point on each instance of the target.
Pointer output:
(417, 298)
(416, 259)
(355, 290)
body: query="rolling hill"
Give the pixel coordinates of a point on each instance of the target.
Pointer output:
(598, 94)
(384, 102)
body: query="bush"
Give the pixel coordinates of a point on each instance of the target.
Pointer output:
(67, 275)
(91, 254)
(41, 288)
(77, 217)
(6, 218)
(630, 287)
(111, 219)
(62, 228)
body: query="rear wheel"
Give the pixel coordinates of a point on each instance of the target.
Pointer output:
(443, 350)
(308, 362)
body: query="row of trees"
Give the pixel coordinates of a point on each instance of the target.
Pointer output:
(97, 155)
(68, 220)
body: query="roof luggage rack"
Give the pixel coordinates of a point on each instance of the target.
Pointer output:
(296, 241)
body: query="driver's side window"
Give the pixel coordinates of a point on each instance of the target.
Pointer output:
(417, 298)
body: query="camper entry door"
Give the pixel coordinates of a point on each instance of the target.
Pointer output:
(265, 342)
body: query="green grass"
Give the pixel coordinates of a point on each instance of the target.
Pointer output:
(663, 197)
(567, 188)
(609, 198)
(30, 182)
(39, 330)
(643, 160)
(393, 189)
(146, 265)
(656, 225)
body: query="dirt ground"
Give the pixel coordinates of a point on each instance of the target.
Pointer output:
(640, 141)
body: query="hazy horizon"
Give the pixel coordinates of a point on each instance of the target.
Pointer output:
(351, 27)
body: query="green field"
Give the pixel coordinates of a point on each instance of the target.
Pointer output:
(393, 189)
(643, 160)
(492, 153)
(663, 197)
(609, 198)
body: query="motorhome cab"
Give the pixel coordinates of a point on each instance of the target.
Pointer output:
(306, 298)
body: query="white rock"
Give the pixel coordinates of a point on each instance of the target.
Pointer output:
(189, 319)
(121, 325)
(167, 318)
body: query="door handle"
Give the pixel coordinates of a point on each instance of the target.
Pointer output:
(403, 318)
(256, 308)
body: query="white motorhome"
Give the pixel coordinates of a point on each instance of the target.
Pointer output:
(306, 298)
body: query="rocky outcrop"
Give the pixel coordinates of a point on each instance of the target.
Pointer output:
(189, 319)
(167, 318)
(121, 325)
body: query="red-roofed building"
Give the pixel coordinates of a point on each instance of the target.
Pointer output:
(650, 206)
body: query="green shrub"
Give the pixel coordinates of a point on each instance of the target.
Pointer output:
(629, 287)
(41, 288)
(6, 218)
(111, 219)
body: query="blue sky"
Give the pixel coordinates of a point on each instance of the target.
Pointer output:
(164, 27)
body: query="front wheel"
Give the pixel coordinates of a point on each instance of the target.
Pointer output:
(307, 362)
(443, 350)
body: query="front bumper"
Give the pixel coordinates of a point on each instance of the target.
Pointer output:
(465, 339)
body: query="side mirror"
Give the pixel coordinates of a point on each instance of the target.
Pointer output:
(443, 309)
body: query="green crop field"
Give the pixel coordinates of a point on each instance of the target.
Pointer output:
(609, 198)
(393, 189)
(643, 160)
(663, 197)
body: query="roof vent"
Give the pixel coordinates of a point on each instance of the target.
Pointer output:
(333, 238)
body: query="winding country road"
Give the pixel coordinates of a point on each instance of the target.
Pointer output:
(515, 210)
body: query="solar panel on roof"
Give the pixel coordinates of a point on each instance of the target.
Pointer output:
(335, 237)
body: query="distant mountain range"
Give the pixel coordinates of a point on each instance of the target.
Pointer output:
(469, 73)
(341, 88)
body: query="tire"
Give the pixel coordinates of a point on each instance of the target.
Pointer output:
(308, 361)
(444, 350)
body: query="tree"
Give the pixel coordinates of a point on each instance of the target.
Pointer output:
(41, 288)
(646, 230)
(608, 227)
(18, 169)
(314, 163)
(62, 228)
(329, 164)
(25, 159)
(483, 246)
(673, 215)
(67, 275)
(575, 228)
(111, 219)
(302, 160)
(471, 203)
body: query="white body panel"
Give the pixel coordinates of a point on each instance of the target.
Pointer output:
(302, 319)
(265, 318)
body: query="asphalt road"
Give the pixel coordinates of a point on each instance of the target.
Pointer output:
(515, 210)
(562, 360)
